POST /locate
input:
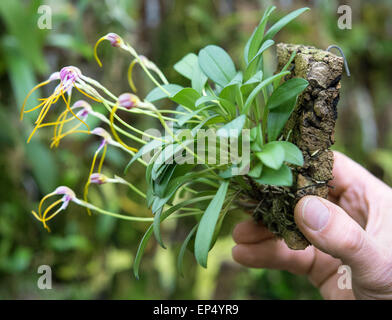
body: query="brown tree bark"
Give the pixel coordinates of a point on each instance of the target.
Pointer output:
(311, 128)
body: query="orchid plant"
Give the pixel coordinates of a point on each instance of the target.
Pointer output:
(245, 112)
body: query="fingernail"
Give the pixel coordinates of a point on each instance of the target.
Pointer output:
(315, 214)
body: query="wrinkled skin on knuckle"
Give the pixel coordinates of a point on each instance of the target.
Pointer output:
(353, 241)
(356, 203)
(377, 284)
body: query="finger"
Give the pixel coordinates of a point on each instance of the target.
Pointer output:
(355, 189)
(331, 229)
(250, 232)
(347, 173)
(274, 254)
(330, 289)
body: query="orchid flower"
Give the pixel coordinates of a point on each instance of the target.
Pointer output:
(68, 196)
(70, 77)
(62, 119)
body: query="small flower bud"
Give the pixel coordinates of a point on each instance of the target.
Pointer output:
(69, 195)
(128, 101)
(86, 108)
(65, 191)
(114, 39)
(102, 133)
(98, 178)
(81, 104)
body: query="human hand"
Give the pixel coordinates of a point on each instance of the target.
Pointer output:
(353, 228)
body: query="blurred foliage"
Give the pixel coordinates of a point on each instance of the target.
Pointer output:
(91, 257)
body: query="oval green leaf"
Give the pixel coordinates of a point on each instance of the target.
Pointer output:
(272, 155)
(217, 65)
(292, 154)
(207, 224)
(158, 94)
(286, 91)
(280, 177)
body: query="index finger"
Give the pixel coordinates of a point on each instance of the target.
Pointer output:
(348, 173)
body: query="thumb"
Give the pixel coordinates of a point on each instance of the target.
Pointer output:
(330, 229)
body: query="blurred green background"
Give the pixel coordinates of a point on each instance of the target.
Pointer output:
(91, 257)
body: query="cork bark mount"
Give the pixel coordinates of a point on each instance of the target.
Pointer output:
(311, 128)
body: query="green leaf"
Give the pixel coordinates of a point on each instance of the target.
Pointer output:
(278, 117)
(272, 155)
(215, 118)
(255, 146)
(257, 36)
(186, 97)
(157, 229)
(189, 68)
(183, 119)
(255, 62)
(205, 99)
(140, 251)
(226, 174)
(167, 157)
(259, 135)
(235, 169)
(161, 183)
(246, 48)
(159, 164)
(281, 104)
(217, 65)
(256, 78)
(253, 134)
(177, 148)
(199, 79)
(230, 107)
(255, 172)
(260, 87)
(229, 92)
(292, 154)
(173, 185)
(286, 66)
(237, 80)
(149, 232)
(150, 167)
(186, 65)
(263, 47)
(157, 93)
(184, 245)
(249, 85)
(151, 145)
(221, 219)
(150, 196)
(286, 92)
(283, 22)
(233, 128)
(159, 218)
(207, 224)
(280, 177)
